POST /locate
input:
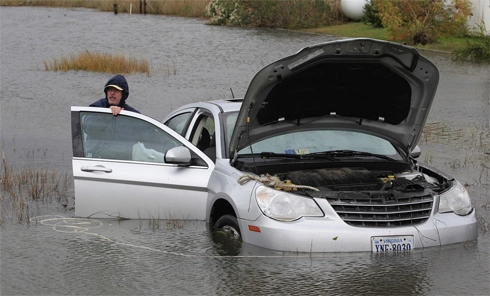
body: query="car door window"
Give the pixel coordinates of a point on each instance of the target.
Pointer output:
(179, 122)
(123, 138)
(203, 133)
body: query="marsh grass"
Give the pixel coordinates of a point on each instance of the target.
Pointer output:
(472, 143)
(156, 223)
(99, 62)
(169, 69)
(22, 187)
(186, 8)
(470, 155)
(173, 223)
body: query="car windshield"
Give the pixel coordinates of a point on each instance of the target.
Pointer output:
(323, 141)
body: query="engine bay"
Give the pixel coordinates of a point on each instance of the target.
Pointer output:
(370, 198)
(362, 179)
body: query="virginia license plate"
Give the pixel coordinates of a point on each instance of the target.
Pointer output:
(380, 244)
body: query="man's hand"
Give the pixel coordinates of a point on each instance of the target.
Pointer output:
(116, 110)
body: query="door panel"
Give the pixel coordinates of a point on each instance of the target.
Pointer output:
(120, 170)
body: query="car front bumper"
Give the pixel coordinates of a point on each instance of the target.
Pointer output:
(333, 235)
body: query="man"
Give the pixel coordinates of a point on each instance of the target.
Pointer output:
(108, 136)
(116, 92)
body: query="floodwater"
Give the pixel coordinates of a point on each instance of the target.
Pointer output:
(56, 254)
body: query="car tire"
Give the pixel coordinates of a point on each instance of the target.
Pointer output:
(228, 223)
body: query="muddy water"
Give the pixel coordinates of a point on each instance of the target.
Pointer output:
(56, 254)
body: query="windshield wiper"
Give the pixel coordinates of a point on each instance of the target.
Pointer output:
(350, 153)
(279, 155)
(305, 156)
(329, 155)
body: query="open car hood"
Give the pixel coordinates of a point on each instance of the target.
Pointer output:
(371, 86)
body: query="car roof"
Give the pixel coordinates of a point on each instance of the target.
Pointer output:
(215, 106)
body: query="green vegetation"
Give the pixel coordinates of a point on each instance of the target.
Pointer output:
(430, 24)
(351, 29)
(422, 22)
(99, 62)
(359, 29)
(474, 47)
(286, 14)
(371, 16)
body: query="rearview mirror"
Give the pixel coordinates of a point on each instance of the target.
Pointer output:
(180, 155)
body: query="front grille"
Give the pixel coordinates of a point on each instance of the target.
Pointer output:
(382, 209)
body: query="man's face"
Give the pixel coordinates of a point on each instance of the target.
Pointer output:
(114, 96)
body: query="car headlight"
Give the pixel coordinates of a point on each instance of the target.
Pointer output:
(284, 206)
(456, 200)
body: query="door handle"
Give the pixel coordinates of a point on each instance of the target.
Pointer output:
(96, 168)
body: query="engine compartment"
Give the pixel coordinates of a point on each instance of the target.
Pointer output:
(372, 198)
(362, 179)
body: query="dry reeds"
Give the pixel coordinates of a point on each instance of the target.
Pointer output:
(99, 62)
(23, 186)
(187, 8)
(472, 142)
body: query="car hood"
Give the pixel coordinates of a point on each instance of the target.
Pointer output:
(371, 86)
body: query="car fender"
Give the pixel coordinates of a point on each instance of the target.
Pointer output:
(223, 185)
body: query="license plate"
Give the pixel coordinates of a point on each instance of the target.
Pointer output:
(382, 244)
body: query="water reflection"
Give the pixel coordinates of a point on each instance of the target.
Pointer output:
(127, 257)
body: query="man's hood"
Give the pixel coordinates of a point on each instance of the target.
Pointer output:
(121, 82)
(371, 86)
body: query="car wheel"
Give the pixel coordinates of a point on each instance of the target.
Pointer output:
(226, 236)
(228, 224)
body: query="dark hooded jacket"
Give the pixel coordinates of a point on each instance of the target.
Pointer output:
(120, 81)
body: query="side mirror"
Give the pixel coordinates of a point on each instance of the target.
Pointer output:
(180, 155)
(416, 152)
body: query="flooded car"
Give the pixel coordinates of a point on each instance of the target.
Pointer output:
(319, 156)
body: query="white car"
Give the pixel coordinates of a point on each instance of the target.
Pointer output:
(319, 156)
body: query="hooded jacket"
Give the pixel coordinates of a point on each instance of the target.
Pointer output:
(121, 82)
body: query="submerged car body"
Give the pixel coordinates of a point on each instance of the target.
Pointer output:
(319, 156)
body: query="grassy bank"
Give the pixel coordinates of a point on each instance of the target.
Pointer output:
(318, 16)
(359, 29)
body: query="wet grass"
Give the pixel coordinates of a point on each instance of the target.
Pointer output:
(359, 29)
(99, 62)
(23, 187)
(156, 223)
(465, 154)
(471, 142)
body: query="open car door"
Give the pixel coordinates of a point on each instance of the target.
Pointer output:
(132, 166)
